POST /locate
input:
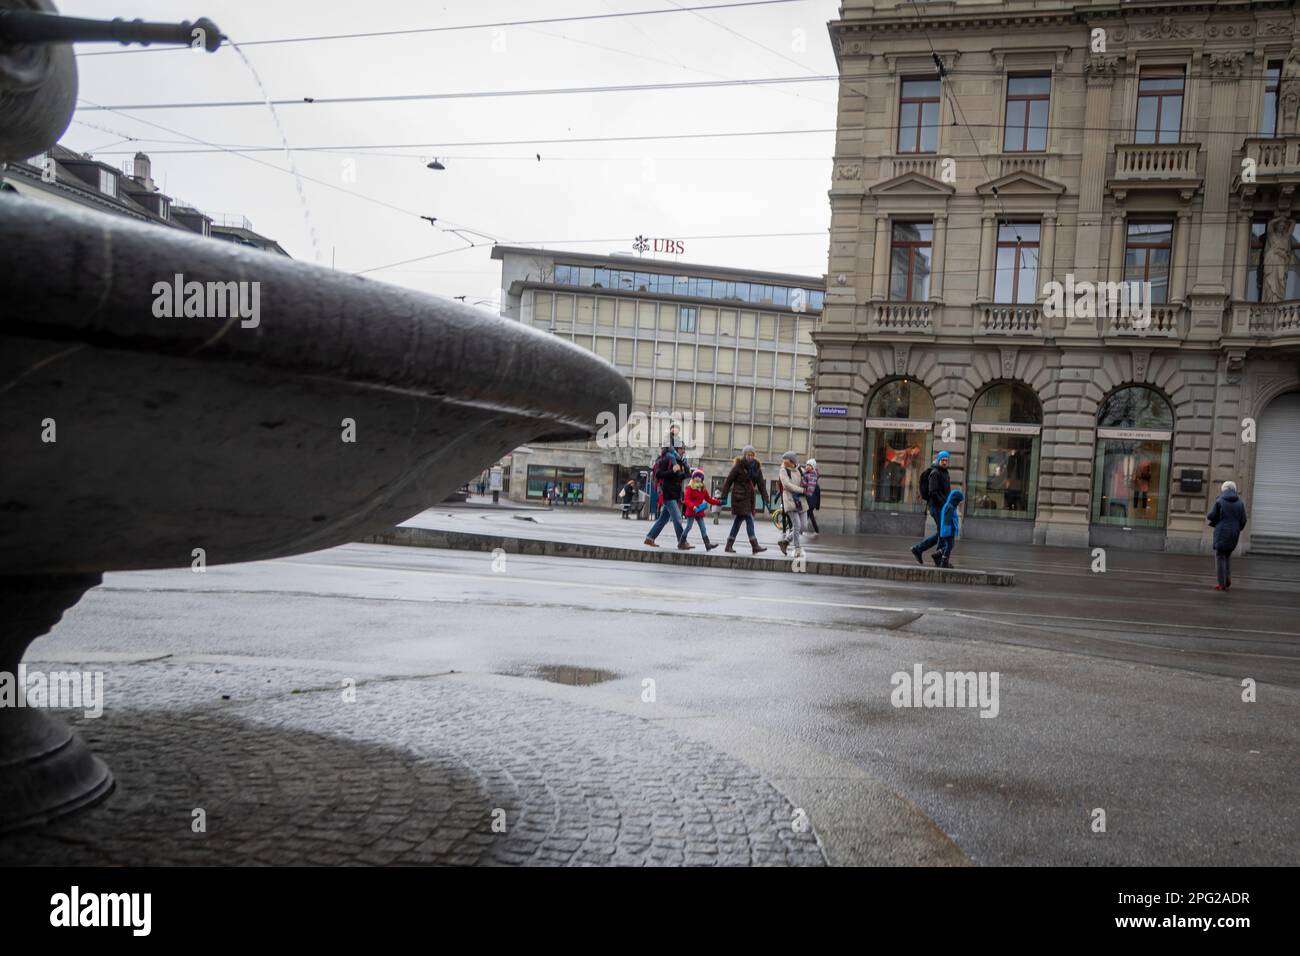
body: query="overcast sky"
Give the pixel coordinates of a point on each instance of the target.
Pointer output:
(578, 191)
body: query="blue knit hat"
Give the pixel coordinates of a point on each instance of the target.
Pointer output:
(942, 454)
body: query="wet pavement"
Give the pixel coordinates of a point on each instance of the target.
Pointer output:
(770, 707)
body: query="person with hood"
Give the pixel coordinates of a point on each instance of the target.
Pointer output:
(812, 492)
(949, 528)
(1228, 519)
(669, 473)
(935, 485)
(745, 485)
(696, 500)
(792, 501)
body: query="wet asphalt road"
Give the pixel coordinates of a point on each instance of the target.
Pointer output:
(1120, 693)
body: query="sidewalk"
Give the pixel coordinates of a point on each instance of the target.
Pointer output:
(589, 532)
(607, 536)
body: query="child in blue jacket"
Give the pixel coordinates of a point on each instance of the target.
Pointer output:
(949, 528)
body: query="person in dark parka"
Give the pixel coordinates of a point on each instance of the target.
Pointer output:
(1228, 518)
(746, 487)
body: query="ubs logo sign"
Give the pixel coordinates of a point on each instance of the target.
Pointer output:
(674, 246)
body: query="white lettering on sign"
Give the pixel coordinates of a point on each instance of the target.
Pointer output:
(1133, 434)
(899, 424)
(1000, 428)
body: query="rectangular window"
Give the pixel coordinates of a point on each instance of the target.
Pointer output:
(663, 395)
(687, 318)
(744, 402)
(641, 391)
(767, 327)
(605, 348)
(626, 314)
(1255, 277)
(1028, 98)
(703, 397)
(1147, 257)
(785, 366)
(727, 322)
(787, 330)
(766, 366)
(623, 352)
(543, 308)
(726, 361)
(746, 366)
(645, 358)
(909, 261)
(686, 358)
(1016, 278)
(802, 405)
(803, 369)
(645, 315)
(684, 396)
(748, 326)
(763, 402)
(706, 358)
(918, 116)
(562, 275)
(1268, 122)
(585, 307)
(667, 317)
(1159, 105)
(664, 356)
(708, 321)
(724, 398)
(107, 183)
(605, 313)
(564, 312)
(571, 482)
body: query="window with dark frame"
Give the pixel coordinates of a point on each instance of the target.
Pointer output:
(910, 261)
(918, 116)
(1147, 256)
(1016, 275)
(1268, 123)
(1159, 104)
(1028, 100)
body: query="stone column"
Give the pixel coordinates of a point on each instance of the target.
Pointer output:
(1115, 272)
(1046, 254)
(988, 250)
(1241, 254)
(1178, 268)
(880, 271)
(936, 260)
(1099, 79)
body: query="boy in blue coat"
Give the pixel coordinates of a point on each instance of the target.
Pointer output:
(949, 528)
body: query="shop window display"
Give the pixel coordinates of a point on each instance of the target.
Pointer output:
(900, 422)
(1004, 449)
(1131, 474)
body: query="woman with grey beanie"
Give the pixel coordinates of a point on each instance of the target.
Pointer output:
(1228, 519)
(745, 485)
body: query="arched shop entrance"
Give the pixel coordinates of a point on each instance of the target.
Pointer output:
(1002, 467)
(1130, 481)
(1275, 513)
(900, 431)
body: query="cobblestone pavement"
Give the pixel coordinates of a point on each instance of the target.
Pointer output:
(412, 772)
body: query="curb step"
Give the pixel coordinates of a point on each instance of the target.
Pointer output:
(465, 541)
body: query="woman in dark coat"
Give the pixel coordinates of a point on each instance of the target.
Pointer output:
(1228, 518)
(745, 485)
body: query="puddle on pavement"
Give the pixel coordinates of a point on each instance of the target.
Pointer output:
(566, 674)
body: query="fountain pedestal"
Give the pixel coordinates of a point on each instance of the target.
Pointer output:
(45, 769)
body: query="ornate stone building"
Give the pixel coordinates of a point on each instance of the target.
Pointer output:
(986, 150)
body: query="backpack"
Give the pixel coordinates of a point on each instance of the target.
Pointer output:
(924, 486)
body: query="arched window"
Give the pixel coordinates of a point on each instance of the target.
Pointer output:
(900, 420)
(1135, 430)
(1005, 431)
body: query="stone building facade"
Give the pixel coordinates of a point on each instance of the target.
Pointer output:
(988, 149)
(725, 354)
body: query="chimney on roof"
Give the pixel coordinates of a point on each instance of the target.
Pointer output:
(142, 170)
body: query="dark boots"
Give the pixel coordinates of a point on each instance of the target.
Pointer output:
(731, 546)
(753, 543)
